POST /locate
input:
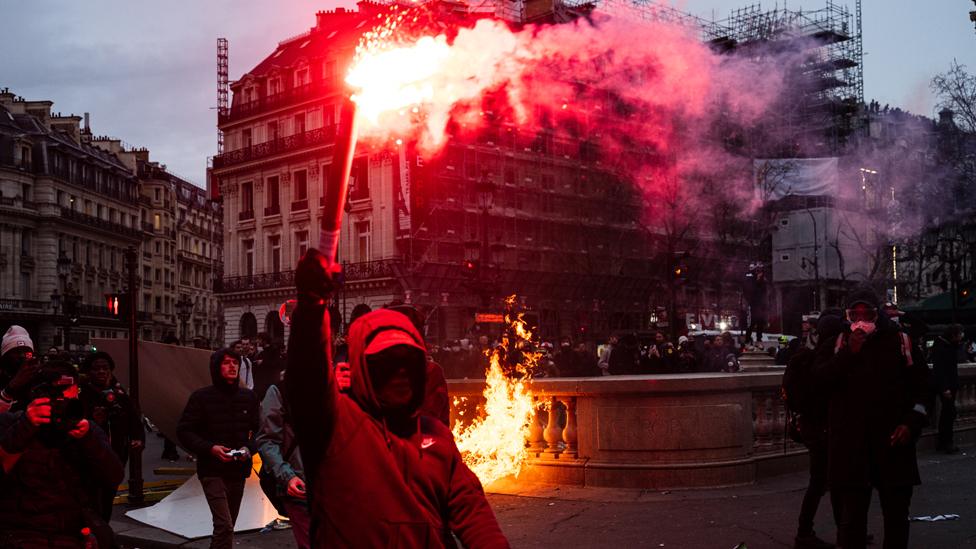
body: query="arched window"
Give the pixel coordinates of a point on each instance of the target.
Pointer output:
(248, 326)
(274, 327)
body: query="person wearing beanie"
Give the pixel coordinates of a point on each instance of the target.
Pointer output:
(876, 387)
(218, 425)
(17, 366)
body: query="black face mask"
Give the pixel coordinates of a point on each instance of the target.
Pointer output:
(383, 366)
(10, 363)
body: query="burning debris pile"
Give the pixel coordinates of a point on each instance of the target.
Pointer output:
(493, 444)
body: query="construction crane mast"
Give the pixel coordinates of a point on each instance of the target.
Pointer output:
(222, 88)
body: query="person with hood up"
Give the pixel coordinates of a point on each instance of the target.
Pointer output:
(218, 425)
(378, 473)
(876, 385)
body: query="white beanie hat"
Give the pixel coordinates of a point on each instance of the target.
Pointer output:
(14, 338)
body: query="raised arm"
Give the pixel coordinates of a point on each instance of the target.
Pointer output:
(309, 380)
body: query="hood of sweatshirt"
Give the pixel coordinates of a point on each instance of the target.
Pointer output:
(373, 333)
(215, 359)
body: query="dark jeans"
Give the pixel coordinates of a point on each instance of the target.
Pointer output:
(298, 516)
(756, 325)
(224, 497)
(947, 416)
(816, 488)
(853, 525)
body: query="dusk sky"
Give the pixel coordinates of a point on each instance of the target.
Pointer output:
(146, 71)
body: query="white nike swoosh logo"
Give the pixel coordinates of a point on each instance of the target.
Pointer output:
(427, 443)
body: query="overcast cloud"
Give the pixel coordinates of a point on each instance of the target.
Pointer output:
(146, 71)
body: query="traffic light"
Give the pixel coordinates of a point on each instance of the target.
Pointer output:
(470, 268)
(112, 303)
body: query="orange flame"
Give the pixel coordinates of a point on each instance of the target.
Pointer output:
(493, 445)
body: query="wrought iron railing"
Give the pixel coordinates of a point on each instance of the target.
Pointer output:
(280, 99)
(367, 270)
(92, 221)
(318, 136)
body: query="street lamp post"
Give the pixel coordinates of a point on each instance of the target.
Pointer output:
(486, 201)
(184, 308)
(66, 303)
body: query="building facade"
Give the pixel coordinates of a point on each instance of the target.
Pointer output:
(180, 256)
(199, 262)
(515, 210)
(68, 212)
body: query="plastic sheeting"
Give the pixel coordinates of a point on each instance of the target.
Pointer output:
(779, 177)
(167, 376)
(185, 512)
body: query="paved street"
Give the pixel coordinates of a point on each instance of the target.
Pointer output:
(761, 516)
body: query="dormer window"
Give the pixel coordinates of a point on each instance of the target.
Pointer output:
(274, 86)
(301, 77)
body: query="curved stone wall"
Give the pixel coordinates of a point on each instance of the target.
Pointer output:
(666, 431)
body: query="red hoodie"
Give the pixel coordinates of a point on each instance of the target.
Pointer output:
(378, 483)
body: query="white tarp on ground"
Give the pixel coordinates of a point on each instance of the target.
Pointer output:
(185, 511)
(779, 177)
(167, 376)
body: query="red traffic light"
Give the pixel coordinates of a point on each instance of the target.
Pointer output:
(112, 303)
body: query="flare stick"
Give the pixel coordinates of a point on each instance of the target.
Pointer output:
(336, 185)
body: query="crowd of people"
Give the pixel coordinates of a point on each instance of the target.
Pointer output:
(857, 386)
(624, 354)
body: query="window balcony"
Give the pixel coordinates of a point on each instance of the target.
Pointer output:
(92, 221)
(318, 136)
(245, 215)
(299, 205)
(290, 96)
(272, 210)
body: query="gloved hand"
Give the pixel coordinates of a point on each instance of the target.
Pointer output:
(314, 278)
(19, 386)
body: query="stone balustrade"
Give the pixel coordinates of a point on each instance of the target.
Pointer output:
(666, 431)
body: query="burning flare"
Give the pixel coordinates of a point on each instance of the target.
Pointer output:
(493, 445)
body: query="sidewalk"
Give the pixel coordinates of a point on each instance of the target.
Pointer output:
(762, 515)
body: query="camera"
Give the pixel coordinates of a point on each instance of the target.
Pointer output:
(65, 412)
(110, 401)
(237, 454)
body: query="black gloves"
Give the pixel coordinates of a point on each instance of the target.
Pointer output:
(19, 386)
(315, 278)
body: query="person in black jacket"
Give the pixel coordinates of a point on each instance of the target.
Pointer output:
(52, 460)
(218, 425)
(876, 384)
(945, 383)
(106, 403)
(807, 398)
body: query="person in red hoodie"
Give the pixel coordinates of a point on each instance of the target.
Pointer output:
(380, 474)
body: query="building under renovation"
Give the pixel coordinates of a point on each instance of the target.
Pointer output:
(512, 210)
